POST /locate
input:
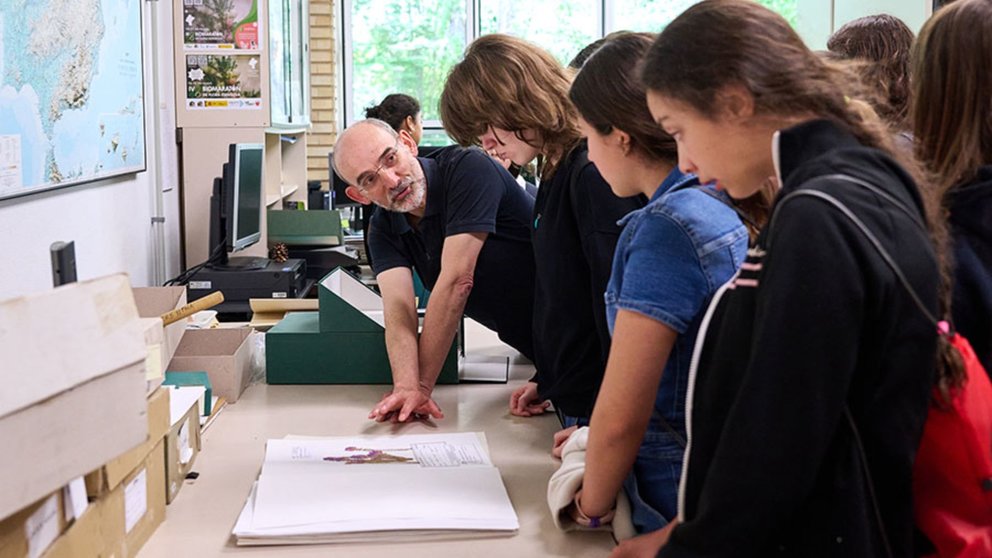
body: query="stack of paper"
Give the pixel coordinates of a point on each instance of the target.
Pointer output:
(389, 488)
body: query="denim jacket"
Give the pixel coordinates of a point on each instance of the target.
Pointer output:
(673, 254)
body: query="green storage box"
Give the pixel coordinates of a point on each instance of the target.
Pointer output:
(319, 227)
(342, 343)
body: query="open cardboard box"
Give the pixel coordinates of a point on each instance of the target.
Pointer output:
(152, 302)
(225, 355)
(76, 355)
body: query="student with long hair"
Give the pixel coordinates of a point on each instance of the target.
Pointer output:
(511, 97)
(880, 46)
(672, 256)
(952, 119)
(813, 372)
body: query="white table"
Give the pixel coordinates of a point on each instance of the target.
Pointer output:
(199, 522)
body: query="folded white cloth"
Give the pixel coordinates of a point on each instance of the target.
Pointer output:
(567, 480)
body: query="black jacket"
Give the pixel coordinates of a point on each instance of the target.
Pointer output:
(575, 233)
(971, 230)
(814, 321)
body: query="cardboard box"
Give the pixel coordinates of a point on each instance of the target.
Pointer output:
(86, 537)
(225, 355)
(76, 355)
(134, 509)
(152, 302)
(182, 445)
(154, 359)
(32, 530)
(342, 343)
(111, 474)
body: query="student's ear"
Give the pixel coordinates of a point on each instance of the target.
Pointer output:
(407, 140)
(736, 102)
(623, 138)
(356, 195)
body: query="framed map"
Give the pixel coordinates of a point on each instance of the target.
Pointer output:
(71, 93)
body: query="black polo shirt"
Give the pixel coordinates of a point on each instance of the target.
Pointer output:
(468, 192)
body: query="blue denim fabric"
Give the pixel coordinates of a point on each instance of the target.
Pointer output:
(568, 421)
(672, 256)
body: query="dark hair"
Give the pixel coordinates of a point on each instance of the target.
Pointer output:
(717, 43)
(881, 43)
(608, 94)
(509, 83)
(394, 109)
(589, 49)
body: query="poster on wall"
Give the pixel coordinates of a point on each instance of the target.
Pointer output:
(71, 94)
(218, 81)
(221, 24)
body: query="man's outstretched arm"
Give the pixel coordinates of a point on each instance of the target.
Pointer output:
(447, 302)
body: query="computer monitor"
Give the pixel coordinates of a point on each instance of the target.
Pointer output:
(338, 198)
(236, 207)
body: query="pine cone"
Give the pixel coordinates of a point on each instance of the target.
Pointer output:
(279, 253)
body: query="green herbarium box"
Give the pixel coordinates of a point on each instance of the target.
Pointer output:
(342, 343)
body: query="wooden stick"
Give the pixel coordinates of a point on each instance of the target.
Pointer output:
(209, 301)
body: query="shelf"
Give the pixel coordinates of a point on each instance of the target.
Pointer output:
(287, 131)
(285, 192)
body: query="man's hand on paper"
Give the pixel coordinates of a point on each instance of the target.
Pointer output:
(644, 546)
(402, 405)
(561, 437)
(524, 401)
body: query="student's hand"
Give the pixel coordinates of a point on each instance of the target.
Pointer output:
(644, 546)
(524, 402)
(402, 405)
(504, 162)
(561, 437)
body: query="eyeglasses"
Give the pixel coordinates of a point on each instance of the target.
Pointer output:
(388, 160)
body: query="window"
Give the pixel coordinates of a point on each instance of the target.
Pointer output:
(408, 46)
(561, 26)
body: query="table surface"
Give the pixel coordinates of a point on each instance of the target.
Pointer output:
(199, 521)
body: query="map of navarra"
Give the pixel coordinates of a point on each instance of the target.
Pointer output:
(71, 103)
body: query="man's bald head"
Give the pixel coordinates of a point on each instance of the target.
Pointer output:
(361, 133)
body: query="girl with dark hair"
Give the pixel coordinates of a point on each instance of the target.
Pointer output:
(400, 111)
(672, 256)
(511, 97)
(952, 63)
(812, 375)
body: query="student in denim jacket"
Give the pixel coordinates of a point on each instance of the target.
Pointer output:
(672, 256)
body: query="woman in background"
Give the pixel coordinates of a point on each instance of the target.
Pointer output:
(814, 368)
(511, 97)
(672, 256)
(400, 111)
(952, 120)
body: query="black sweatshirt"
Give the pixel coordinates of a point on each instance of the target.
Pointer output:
(575, 234)
(971, 230)
(814, 321)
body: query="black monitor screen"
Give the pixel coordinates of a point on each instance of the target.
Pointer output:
(246, 213)
(338, 197)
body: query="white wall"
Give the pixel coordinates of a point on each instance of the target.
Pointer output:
(110, 220)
